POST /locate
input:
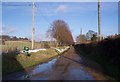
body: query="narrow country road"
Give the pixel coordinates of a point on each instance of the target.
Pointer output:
(71, 66)
(68, 66)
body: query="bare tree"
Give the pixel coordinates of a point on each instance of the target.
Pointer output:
(60, 31)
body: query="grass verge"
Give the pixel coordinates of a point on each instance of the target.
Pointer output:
(13, 62)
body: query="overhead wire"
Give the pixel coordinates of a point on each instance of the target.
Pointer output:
(16, 5)
(38, 10)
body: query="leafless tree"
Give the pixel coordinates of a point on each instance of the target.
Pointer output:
(61, 32)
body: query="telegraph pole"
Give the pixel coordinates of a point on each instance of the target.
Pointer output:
(99, 32)
(32, 24)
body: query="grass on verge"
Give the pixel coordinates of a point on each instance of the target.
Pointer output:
(14, 62)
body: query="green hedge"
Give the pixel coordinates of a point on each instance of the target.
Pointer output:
(106, 53)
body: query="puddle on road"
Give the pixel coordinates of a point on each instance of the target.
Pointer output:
(43, 71)
(44, 67)
(38, 72)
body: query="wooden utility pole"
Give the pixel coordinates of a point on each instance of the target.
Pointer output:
(32, 24)
(99, 32)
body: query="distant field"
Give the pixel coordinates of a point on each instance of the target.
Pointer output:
(10, 45)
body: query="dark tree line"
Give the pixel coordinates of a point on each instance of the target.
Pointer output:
(10, 38)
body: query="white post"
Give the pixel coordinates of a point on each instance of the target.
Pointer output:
(99, 32)
(33, 24)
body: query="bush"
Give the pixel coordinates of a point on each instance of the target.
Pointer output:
(94, 38)
(106, 53)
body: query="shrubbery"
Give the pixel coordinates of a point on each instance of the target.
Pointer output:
(106, 53)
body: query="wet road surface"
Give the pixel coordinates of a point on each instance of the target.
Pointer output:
(68, 66)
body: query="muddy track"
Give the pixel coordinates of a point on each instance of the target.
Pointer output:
(68, 66)
(71, 66)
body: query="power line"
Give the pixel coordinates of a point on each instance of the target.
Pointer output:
(39, 11)
(16, 5)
